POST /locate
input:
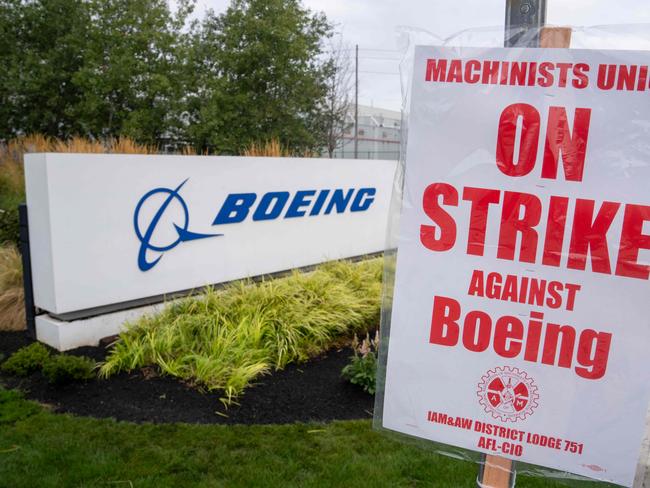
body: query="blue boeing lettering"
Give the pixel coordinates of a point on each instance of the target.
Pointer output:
(363, 200)
(272, 205)
(237, 207)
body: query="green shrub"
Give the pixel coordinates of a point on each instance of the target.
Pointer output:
(362, 370)
(26, 360)
(224, 339)
(62, 368)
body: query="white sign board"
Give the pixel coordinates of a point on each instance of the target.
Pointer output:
(106, 229)
(520, 324)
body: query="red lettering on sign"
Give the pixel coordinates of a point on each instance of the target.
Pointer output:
(530, 127)
(571, 145)
(590, 235)
(520, 214)
(587, 353)
(446, 224)
(632, 241)
(481, 200)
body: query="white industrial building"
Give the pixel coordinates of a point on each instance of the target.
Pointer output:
(379, 134)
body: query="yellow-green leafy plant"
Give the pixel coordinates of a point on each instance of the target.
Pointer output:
(225, 339)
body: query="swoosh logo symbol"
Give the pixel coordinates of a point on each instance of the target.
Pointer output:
(183, 234)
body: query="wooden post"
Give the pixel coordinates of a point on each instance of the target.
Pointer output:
(497, 471)
(555, 37)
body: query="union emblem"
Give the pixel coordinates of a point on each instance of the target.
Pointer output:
(508, 394)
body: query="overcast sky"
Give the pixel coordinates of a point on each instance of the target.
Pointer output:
(372, 24)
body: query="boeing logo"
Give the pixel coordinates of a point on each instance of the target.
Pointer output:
(181, 231)
(236, 208)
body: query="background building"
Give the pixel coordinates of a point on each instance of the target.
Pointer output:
(379, 134)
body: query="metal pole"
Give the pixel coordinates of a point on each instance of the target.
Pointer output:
(523, 25)
(30, 308)
(356, 102)
(524, 20)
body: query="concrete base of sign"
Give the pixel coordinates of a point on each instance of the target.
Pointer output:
(63, 335)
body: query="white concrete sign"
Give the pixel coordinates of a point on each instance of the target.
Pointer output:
(520, 324)
(107, 229)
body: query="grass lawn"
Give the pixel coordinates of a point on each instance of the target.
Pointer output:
(38, 448)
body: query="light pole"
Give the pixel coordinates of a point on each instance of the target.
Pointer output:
(356, 102)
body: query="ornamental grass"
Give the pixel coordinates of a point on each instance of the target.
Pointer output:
(274, 149)
(225, 339)
(12, 308)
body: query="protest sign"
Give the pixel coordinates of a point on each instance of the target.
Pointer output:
(520, 312)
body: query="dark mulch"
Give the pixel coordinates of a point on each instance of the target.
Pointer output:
(313, 391)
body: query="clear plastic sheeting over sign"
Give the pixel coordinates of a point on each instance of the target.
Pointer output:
(518, 318)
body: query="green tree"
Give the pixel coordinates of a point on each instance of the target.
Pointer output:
(96, 68)
(131, 80)
(259, 74)
(41, 47)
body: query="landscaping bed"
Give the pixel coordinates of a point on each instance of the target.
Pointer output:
(312, 391)
(262, 352)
